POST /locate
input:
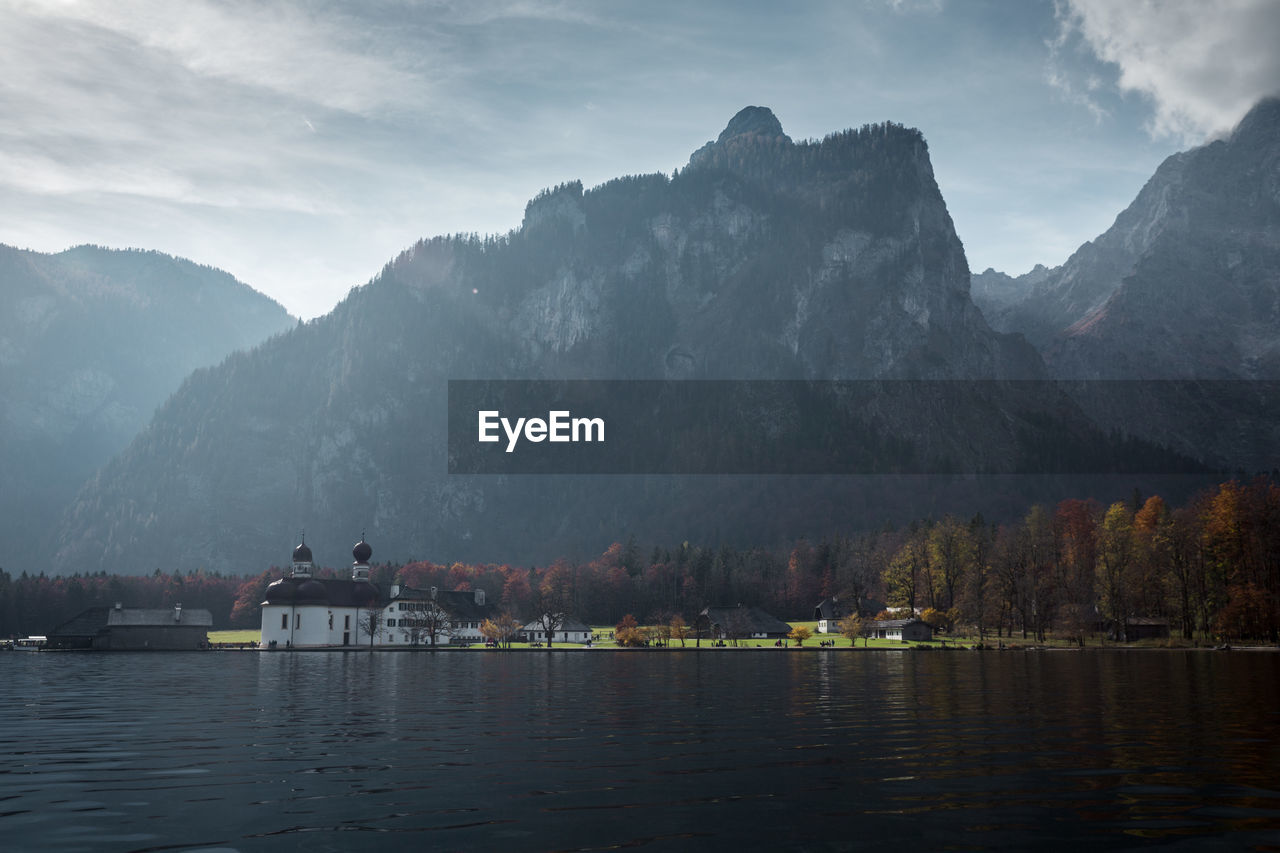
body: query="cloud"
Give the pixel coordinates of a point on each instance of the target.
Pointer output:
(1202, 63)
(323, 59)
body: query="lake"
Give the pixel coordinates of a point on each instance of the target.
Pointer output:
(593, 750)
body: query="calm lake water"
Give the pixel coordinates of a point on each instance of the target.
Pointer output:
(743, 749)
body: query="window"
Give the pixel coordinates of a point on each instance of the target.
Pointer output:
(297, 621)
(391, 623)
(330, 621)
(346, 622)
(284, 621)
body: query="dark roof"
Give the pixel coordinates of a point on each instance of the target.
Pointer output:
(333, 592)
(86, 623)
(362, 551)
(89, 622)
(458, 603)
(895, 623)
(186, 617)
(569, 624)
(753, 620)
(302, 554)
(831, 608)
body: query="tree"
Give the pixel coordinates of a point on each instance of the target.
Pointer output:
(432, 621)
(935, 619)
(370, 622)
(1115, 567)
(246, 611)
(553, 598)
(854, 626)
(501, 630)
(679, 630)
(627, 632)
(950, 555)
(800, 633)
(739, 625)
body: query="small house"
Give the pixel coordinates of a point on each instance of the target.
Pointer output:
(569, 631)
(740, 623)
(904, 630)
(830, 612)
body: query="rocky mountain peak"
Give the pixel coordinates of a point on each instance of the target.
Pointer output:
(1262, 121)
(757, 121)
(750, 128)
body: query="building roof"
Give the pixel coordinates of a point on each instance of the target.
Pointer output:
(896, 623)
(752, 620)
(458, 603)
(831, 608)
(186, 617)
(323, 592)
(569, 624)
(89, 622)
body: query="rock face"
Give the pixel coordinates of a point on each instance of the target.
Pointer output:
(91, 342)
(763, 259)
(1184, 285)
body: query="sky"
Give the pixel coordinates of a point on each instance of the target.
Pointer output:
(301, 145)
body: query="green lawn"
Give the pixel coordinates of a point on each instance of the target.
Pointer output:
(602, 631)
(245, 636)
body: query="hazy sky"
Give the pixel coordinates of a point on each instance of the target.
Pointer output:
(302, 145)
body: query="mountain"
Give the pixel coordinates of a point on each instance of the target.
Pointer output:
(1185, 285)
(763, 258)
(91, 342)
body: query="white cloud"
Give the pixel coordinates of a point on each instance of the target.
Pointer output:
(1202, 63)
(276, 47)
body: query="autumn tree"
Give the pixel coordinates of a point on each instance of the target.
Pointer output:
(1075, 531)
(247, 610)
(678, 629)
(1115, 567)
(553, 599)
(627, 632)
(854, 626)
(800, 633)
(501, 629)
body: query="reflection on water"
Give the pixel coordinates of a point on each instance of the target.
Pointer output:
(814, 750)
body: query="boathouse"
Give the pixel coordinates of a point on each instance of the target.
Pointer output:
(121, 628)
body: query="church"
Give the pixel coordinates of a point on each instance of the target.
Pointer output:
(305, 612)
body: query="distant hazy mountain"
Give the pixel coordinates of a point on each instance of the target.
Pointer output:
(763, 258)
(91, 342)
(1184, 285)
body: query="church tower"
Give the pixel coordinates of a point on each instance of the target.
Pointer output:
(360, 568)
(302, 559)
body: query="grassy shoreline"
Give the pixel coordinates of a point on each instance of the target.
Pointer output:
(250, 638)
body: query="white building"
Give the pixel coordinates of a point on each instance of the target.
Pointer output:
(301, 611)
(305, 612)
(434, 617)
(570, 631)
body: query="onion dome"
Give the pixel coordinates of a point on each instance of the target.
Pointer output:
(283, 591)
(312, 592)
(302, 554)
(362, 552)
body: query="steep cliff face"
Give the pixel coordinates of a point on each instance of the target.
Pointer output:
(1184, 286)
(762, 259)
(91, 342)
